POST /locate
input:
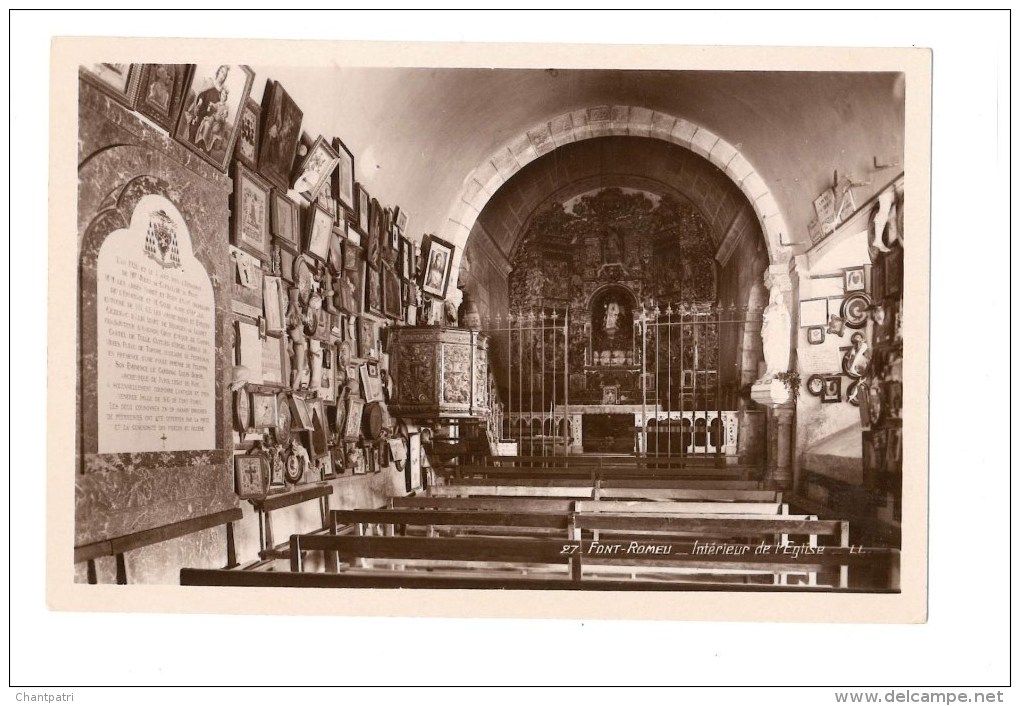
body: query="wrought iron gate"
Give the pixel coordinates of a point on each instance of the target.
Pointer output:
(673, 383)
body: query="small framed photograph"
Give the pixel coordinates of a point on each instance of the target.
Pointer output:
(363, 200)
(400, 219)
(213, 104)
(327, 387)
(404, 265)
(247, 146)
(302, 416)
(816, 335)
(320, 433)
(371, 384)
(315, 169)
(272, 305)
(119, 81)
(286, 224)
(392, 302)
(275, 361)
(250, 216)
(336, 247)
(833, 389)
(281, 130)
(610, 394)
(251, 474)
(320, 230)
(352, 419)
(343, 176)
(265, 411)
(438, 258)
(368, 346)
(814, 312)
(372, 367)
(277, 479)
(373, 290)
(853, 279)
(161, 93)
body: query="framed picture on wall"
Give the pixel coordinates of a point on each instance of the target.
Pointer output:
(373, 290)
(400, 219)
(320, 230)
(117, 80)
(368, 347)
(251, 474)
(352, 418)
(343, 176)
(315, 169)
(363, 200)
(281, 130)
(391, 293)
(275, 361)
(438, 259)
(250, 215)
(286, 225)
(404, 261)
(853, 279)
(264, 410)
(213, 104)
(833, 388)
(161, 93)
(247, 149)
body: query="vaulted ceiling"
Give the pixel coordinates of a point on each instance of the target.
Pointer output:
(418, 133)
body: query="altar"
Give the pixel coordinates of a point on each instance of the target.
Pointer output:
(632, 428)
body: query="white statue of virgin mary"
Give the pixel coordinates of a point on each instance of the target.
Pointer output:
(775, 332)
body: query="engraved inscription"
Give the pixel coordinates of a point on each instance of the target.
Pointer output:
(155, 337)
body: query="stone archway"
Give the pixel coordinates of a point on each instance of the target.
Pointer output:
(605, 121)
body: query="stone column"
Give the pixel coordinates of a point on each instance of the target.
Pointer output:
(779, 463)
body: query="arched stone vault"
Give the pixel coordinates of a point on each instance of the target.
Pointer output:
(605, 121)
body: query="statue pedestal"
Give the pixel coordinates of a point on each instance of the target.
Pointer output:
(770, 394)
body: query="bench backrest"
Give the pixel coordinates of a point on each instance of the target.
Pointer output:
(471, 489)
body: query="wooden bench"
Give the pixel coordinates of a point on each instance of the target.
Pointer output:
(593, 472)
(397, 520)
(289, 498)
(439, 580)
(512, 477)
(665, 560)
(470, 489)
(117, 546)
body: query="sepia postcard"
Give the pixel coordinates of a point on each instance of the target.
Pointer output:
(654, 344)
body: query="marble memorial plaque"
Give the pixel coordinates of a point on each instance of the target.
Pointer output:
(155, 321)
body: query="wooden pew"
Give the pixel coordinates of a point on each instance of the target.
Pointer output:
(397, 520)
(438, 580)
(637, 525)
(566, 505)
(572, 559)
(512, 477)
(470, 489)
(620, 472)
(543, 555)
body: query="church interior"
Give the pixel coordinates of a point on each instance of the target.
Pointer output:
(560, 329)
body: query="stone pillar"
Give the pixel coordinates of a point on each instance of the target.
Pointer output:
(779, 464)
